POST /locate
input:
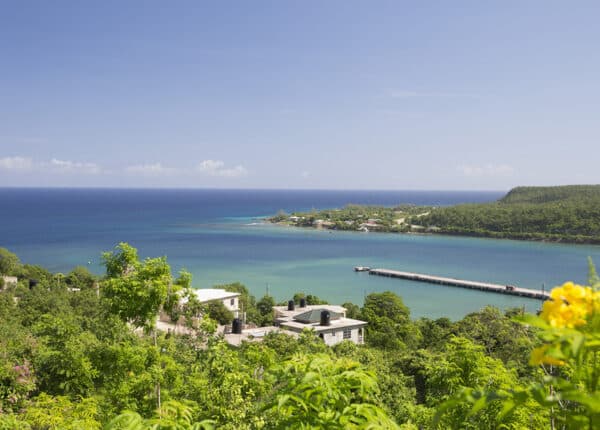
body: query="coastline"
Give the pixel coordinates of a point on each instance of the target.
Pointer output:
(526, 237)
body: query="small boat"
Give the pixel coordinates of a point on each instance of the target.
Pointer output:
(361, 269)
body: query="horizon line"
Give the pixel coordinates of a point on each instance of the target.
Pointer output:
(36, 187)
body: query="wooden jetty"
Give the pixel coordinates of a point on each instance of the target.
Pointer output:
(483, 286)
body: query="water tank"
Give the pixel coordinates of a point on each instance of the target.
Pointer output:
(236, 327)
(291, 305)
(325, 318)
(302, 302)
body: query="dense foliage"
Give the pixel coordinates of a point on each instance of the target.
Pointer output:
(569, 390)
(565, 213)
(71, 359)
(569, 213)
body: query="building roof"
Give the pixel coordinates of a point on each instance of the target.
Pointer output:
(255, 335)
(335, 325)
(282, 313)
(314, 315)
(209, 294)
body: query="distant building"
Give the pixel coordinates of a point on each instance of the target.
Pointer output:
(328, 321)
(366, 226)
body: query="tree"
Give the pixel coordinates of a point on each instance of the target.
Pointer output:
(352, 310)
(246, 300)
(172, 415)
(265, 309)
(9, 262)
(389, 321)
(217, 311)
(135, 290)
(310, 299)
(80, 277)
(317, 391)
(464, 364)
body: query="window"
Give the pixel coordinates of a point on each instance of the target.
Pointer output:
(347, 333)
(232, 302)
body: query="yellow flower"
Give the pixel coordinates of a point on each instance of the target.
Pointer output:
(538, 356)
(570, 305)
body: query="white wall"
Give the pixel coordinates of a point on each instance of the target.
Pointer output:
(232, 307)
(335, 337)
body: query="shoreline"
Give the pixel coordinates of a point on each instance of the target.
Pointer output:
(523, 237)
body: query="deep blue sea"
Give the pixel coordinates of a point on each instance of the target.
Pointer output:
(219, 236)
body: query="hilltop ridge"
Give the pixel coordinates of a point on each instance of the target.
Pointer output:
(538, 195)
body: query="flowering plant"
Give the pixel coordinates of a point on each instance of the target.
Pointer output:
(568, 388)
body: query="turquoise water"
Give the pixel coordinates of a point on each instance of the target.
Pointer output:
(219, 237)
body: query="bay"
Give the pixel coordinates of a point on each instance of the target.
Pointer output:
(220, 237)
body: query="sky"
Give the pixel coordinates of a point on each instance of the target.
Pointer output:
(431, 95)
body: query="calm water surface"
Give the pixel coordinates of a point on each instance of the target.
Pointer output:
(219, 237)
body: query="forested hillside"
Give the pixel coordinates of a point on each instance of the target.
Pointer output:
(567, 213)
(72, 358)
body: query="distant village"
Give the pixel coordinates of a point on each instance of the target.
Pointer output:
(401, 219)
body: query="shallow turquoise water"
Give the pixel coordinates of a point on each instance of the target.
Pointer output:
(218, 236)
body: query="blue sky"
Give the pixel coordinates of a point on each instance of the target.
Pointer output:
(299, 94)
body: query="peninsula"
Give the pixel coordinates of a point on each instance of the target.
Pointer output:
(569, 213)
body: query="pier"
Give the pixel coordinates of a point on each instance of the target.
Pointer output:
(474, 285)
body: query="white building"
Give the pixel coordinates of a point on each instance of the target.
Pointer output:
(230, 300)
(328, 321)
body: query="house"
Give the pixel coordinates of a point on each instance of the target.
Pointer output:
(230, 300)
(323, 224)
(328, 321)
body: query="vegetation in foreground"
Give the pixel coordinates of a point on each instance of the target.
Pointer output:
(70, 359)
(565, 213)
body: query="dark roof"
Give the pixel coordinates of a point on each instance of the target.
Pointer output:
(314, 316)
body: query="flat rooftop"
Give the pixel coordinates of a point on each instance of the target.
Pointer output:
(282, 313)
(335, 325)
(255, 335)
(210, 294)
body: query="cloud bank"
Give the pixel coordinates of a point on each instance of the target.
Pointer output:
(16, 163)
(53, 166)
(217, 168)
(156, 169)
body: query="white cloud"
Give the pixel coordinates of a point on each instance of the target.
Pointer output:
(16, 163)
(155, 169)
(217, 168)
(67, 166)
(486, 170)
(53, 166)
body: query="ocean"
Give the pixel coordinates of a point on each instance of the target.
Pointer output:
(220, 237)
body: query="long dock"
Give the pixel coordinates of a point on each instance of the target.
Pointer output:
(474, 285)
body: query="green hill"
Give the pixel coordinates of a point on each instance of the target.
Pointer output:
(536, 195)
(565, 213)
